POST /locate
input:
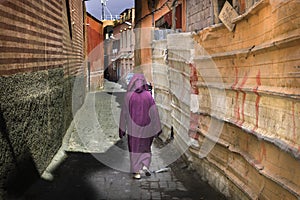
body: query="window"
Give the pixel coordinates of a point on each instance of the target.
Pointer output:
(69, 18)
(165, 22)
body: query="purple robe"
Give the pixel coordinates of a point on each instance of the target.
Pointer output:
(140, 118)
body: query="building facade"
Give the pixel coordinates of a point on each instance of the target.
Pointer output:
(95, 54)
(124, 60)
(151, 16)
(121, 46)
(42, 56)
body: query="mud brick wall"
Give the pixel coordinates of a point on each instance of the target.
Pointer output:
(243, 107)
(180, 48)
(171, 73)
(41, 61)
(258, 148)
(162, 84)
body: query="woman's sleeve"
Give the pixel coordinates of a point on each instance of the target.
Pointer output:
(156, 119)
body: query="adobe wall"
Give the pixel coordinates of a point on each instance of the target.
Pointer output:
(244, 101)
(40, 65)
(258, 63)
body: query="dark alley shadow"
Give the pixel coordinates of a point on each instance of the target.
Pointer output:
(76, 178)
(71, 180)
(4, 134)
(18, 167)
(196, 188)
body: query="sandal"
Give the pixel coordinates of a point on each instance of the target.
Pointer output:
(146, 171)
(137, 176)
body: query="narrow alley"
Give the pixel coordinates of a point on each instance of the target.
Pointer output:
(224, 76)
(89, 170)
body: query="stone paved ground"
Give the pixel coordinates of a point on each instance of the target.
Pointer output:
(96, 162)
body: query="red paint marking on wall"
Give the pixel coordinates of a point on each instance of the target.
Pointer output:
(194, 123)
(237, 108)
(258, 79)
(243, 109)
(256, 111)
(194, 120)
(263, 152)
(236, 78)
(193, 79)
(255, 90)
(258, 82)
(245, 78)
(193, 135)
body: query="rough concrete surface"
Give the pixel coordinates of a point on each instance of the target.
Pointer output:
(34, 114)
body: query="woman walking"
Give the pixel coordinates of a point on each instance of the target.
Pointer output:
(140, 119)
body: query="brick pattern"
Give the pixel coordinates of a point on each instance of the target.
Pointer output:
(199, 15)
(28, 33)
(73, 48)
(35, 36)
(41, 56)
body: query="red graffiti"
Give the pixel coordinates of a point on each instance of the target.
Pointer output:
(244, 98)
(194, 120)
(236, 78)
(255, 90)
(256, 111)
(245, 78)
(194, 124)
(193, 79)
(240, 121)
(243, 108)
(237, 107)
(258, 80)
(193, 135)
(263, 152)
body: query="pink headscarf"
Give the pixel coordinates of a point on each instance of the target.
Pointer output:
(137, 83)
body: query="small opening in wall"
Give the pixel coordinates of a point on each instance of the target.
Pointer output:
(69, 18)
(221, 4)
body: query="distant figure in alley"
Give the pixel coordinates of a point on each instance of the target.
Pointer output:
(140, 120)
